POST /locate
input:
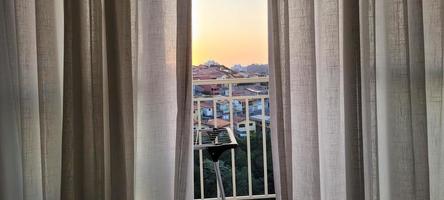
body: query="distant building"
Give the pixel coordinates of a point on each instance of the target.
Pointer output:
(241, 125)
(206, 108)
(256, 106)
(254, 70)
(205, 72)
(250, 89)
(223, 106)
(259, 118)
(237, 106)
(214, 70)
(219, 123)
(209, 89)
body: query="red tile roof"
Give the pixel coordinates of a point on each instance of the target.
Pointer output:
(218, 122)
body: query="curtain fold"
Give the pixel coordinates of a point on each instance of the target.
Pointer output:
(95, 99)
(433, 17)
(163, 139)
(184, 175)
(11, 181)
(368, 96)
(357, 106)
(98, 128)
(400, 91)
(279, 90)
(30, 100)
(84, 105)
(49, 23)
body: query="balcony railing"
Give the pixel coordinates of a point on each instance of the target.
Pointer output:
(243, 105)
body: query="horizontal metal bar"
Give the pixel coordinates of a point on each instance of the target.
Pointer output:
(233, 80)
(232, 97)
(246, 197)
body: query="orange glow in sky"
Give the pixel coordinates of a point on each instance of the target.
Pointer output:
(230, 31)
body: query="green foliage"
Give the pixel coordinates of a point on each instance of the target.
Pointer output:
(257, 169)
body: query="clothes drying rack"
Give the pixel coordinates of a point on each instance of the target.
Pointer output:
(215, 141)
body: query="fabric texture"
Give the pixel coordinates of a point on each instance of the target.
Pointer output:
(95, 100)
(356, 99)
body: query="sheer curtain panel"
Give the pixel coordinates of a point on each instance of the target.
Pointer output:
(357, 99)
(94, 99)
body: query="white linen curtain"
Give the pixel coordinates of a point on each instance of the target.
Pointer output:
(94, 99)
(357, 99)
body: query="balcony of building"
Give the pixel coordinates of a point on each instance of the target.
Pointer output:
(243, 105)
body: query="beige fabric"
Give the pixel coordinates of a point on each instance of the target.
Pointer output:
(368, 99)
(95, 100)
(31, 100)
(184, 176)
(49, 25)
(433, 18)
(318, 101)
(29, 121)
(357, 100)
(400, 92)
(163, 137)
(11, 181)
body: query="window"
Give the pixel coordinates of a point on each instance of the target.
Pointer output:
(230, 80)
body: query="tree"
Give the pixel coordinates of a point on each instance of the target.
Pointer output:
(257, 168)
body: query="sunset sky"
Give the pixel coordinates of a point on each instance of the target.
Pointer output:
(230, 31)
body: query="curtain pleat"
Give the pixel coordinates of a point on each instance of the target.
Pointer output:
(364, 79)
(31, 100)
(401, 111)
(160, 64)
(28, 110)
(49, 24)
(433, 17)
(11, 181)
(368, 99)
(277, 18)
(119, 41)
(184, 186)
(321, 90)
(337, 61)
(85, 103)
